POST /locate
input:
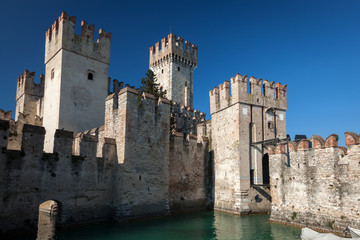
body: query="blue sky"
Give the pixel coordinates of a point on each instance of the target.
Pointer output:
(312, 46)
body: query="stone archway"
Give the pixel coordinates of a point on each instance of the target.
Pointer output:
(48, 212)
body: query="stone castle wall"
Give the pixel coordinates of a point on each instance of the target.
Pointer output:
(188, 165)
(127, 168)
(237, 120)
(82, 185)
(316, 183)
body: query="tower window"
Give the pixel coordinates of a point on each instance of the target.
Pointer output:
(90, 75)
(162, 70)
(52, 73)
(178, 68)
(185, 84)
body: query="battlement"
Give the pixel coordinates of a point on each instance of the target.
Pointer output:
(316, 142)
(26, 85)
(321, 172)
(185, 119)
(61, 35)
(262, 93)
(145, 109)
(172, 49)
(5, 115)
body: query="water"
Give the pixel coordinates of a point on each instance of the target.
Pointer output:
(188, 226)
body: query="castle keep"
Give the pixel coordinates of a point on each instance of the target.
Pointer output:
(99, 154)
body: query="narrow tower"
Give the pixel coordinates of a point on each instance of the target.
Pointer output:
(173, 65)
(76, 78)
(29, 97)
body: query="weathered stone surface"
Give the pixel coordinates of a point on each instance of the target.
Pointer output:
(237, 120)
(76, 78)
(188, 165)
(319, 188)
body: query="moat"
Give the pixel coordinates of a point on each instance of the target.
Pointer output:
(196, 225)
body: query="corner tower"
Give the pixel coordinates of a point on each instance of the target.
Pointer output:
(76, 77)
(173, 64)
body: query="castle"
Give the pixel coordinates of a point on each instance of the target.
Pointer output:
(101, 155)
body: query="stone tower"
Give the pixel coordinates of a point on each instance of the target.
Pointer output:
(173, 63)
(254, 111)
(76, 77)
(29, 97)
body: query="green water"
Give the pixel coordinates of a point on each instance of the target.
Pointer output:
(198, 225)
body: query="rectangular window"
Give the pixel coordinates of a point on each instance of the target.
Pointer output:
(52, 73)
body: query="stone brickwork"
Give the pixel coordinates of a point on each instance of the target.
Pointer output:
(188, 165)
(237, 120)
(128, 168)
(185, 119)
(173, 64)
(82, 185)
(142, 139)
(316, 183)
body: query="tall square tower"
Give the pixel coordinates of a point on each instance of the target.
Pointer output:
(173, 64)
(76, 78)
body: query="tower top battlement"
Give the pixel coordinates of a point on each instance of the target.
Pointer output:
(26, 84)
(61, 35)
(173, 48)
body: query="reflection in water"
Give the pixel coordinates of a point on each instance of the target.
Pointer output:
(250, 227)
(188, 226)
(47, 220)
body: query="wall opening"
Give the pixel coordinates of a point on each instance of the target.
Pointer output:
(90, 76)
(48, 213)
(265, 169)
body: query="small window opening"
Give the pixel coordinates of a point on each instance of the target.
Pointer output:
(52, 73)
(162, 70)
(185, 84)
(178, 68)
(90, 76)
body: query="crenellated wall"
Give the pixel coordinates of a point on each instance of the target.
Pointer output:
(127, 168)
(237, 121)
(261, 93)
(140, 127)
(61, 35)
(185, 119)
(316, 183)
(81, 184)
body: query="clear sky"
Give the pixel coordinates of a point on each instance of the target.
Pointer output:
(312, 46)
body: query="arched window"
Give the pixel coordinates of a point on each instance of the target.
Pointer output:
(52, 73)
(90, 76)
